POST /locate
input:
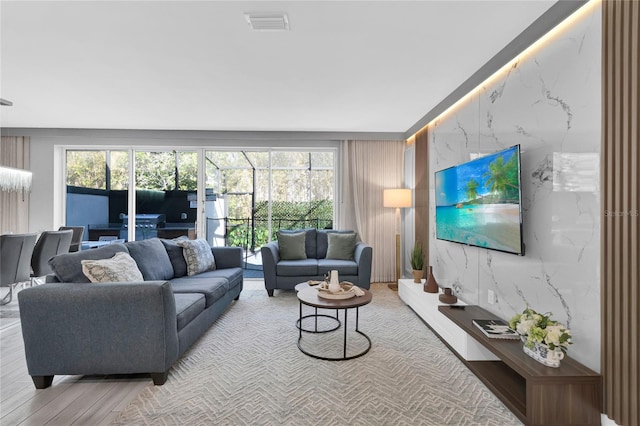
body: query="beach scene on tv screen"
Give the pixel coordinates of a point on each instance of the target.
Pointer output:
(478, 203)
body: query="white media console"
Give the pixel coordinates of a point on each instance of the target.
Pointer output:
(531, 390)
(426, 306)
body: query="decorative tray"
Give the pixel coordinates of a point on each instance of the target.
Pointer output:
(346, 291)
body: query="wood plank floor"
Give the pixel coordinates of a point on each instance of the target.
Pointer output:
(71, 400)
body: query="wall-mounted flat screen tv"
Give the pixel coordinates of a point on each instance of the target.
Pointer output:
(479, 203)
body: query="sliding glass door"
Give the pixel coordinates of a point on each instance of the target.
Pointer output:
(246, 195)
(302, 186)
(166, 185)
(98, 198)
(252, 194)
(97, 189)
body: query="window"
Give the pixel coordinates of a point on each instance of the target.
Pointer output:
(97, 187)
(249, 194)
(256, 193)
(98, 195)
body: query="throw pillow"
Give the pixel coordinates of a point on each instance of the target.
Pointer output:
(341, 246)
(309, 240)
(198, 255)
(68, 267)
(322, 240)
(292, 246)
(176, 257)
(152, 259)
(120, 268)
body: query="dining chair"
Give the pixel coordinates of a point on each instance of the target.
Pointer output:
(76, 239)
(49, 244)
(15, 257)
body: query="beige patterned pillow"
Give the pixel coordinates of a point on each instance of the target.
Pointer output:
(198, 255)
(120, 268)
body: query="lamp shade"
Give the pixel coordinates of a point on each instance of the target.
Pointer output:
(398, 198)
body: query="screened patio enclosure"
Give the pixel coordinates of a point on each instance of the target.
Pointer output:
(248, 195)
(260, 192)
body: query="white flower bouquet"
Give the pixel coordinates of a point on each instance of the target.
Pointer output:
(540, 328)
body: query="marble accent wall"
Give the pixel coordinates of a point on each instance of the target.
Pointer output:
(549, 102)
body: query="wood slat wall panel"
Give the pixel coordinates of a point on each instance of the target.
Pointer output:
(421, 201)
(621, 208)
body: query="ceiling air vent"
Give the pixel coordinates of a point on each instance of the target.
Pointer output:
(267, 22)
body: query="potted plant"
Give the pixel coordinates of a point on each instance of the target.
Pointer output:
(417, 262)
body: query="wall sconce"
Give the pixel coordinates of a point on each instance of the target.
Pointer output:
(15, 180)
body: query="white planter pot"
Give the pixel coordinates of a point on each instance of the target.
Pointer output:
(544, 355)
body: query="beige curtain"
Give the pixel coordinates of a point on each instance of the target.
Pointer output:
(369, 167)
(14, 206)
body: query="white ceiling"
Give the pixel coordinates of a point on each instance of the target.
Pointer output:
(345, 66)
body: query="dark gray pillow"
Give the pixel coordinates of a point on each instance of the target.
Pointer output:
(292, 246)
(152, 259)
(341, 246)
(68, 269)
(175, 255)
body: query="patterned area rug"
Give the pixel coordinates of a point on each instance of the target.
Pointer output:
(247, 370)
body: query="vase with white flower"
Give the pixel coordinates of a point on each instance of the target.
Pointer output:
(544, 339)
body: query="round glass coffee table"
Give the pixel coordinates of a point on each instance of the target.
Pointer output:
(309, 296)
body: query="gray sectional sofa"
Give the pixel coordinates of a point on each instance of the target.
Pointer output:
(77, 327)
(316, 258)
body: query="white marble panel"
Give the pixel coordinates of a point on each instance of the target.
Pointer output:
(454, 139)
(549, 103)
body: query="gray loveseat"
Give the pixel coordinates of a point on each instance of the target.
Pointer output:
(314, 263)
(76, 327)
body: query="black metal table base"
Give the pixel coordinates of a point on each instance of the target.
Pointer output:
(344, 356)
(316, 316)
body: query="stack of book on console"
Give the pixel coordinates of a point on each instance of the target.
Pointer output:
(496, 329)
